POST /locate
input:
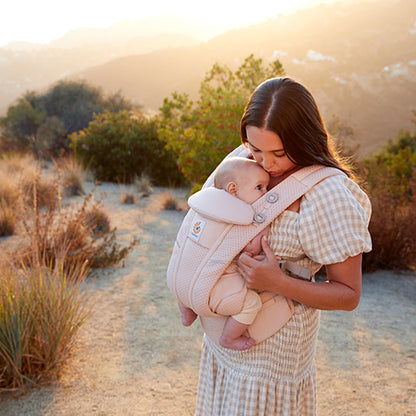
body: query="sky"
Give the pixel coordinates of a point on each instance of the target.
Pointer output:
(40, 21)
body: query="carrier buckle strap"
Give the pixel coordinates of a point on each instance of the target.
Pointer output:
(295, 270)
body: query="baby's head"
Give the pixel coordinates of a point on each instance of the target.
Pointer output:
(243, 178)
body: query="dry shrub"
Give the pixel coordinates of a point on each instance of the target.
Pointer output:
(169, 202)
(72, 175)
(78, 235)
(127, 198)
(9, 218)
(144, 185)
(41, 310)
(97, 220)
(9, 191)
(40, 190)
(15, 164)
(393, 231)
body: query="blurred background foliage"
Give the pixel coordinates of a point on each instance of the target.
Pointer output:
(183, 143)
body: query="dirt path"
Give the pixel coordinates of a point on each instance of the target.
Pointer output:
(135, 358)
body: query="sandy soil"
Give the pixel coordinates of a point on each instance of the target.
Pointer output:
(134, 357)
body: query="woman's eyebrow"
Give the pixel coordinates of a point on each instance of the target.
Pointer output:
(254, 147)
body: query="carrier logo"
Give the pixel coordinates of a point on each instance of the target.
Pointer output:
(197, 228)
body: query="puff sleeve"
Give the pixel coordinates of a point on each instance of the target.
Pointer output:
(333, 221)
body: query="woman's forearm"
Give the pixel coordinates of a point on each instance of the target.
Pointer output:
(341, 291)
(329, 295)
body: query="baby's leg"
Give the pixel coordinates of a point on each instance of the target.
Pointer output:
(232, 335)
(187, 314)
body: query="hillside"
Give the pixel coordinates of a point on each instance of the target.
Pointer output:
(27, 66)
(358, 59)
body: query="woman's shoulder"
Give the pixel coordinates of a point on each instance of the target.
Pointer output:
(339, 191)
(334, 218)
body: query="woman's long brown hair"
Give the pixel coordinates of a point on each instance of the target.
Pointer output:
(287, 108)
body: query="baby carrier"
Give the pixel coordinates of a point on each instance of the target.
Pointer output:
(198, 260)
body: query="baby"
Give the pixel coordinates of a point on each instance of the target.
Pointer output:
(248, 181)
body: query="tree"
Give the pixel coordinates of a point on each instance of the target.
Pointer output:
(42, 122)
(201, 133)
(21, 123)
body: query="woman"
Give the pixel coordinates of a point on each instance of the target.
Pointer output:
(283, 130)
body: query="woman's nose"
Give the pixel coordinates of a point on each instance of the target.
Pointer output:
(267, 162)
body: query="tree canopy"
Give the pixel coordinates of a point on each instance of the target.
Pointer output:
(41, 122)
(201, 133)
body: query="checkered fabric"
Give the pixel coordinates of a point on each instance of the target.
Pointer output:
(277, 376)
(332, 225)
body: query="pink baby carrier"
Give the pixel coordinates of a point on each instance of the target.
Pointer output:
(198, 261)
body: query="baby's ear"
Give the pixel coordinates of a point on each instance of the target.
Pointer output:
(232, 188)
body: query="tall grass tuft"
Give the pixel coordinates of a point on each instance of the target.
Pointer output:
(143, 185)
(169, 202)
(72, 175)
(41, 311)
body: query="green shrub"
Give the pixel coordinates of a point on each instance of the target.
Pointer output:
(41, 122)
(120, 146)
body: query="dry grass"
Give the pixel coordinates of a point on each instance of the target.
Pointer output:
(80, 234)
(144, 185)
(72, 176)
(169, 202)
(127, 196)
(8, 219)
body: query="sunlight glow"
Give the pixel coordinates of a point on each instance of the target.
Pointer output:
(43, 20)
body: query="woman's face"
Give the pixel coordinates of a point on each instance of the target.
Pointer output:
(267, 150)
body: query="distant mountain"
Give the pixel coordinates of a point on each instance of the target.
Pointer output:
(359, 60)
(127, 30)
(26, 66)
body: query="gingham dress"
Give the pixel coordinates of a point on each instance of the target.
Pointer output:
(277, 376)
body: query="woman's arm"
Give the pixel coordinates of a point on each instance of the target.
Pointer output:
(341, 291)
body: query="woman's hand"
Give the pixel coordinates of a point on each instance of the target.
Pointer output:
(261, 272)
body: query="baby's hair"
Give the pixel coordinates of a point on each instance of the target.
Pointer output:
(229, 170)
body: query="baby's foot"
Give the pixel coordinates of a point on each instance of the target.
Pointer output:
(240, 343)
(188, 316)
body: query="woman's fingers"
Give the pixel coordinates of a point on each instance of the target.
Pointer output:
(267, 250)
